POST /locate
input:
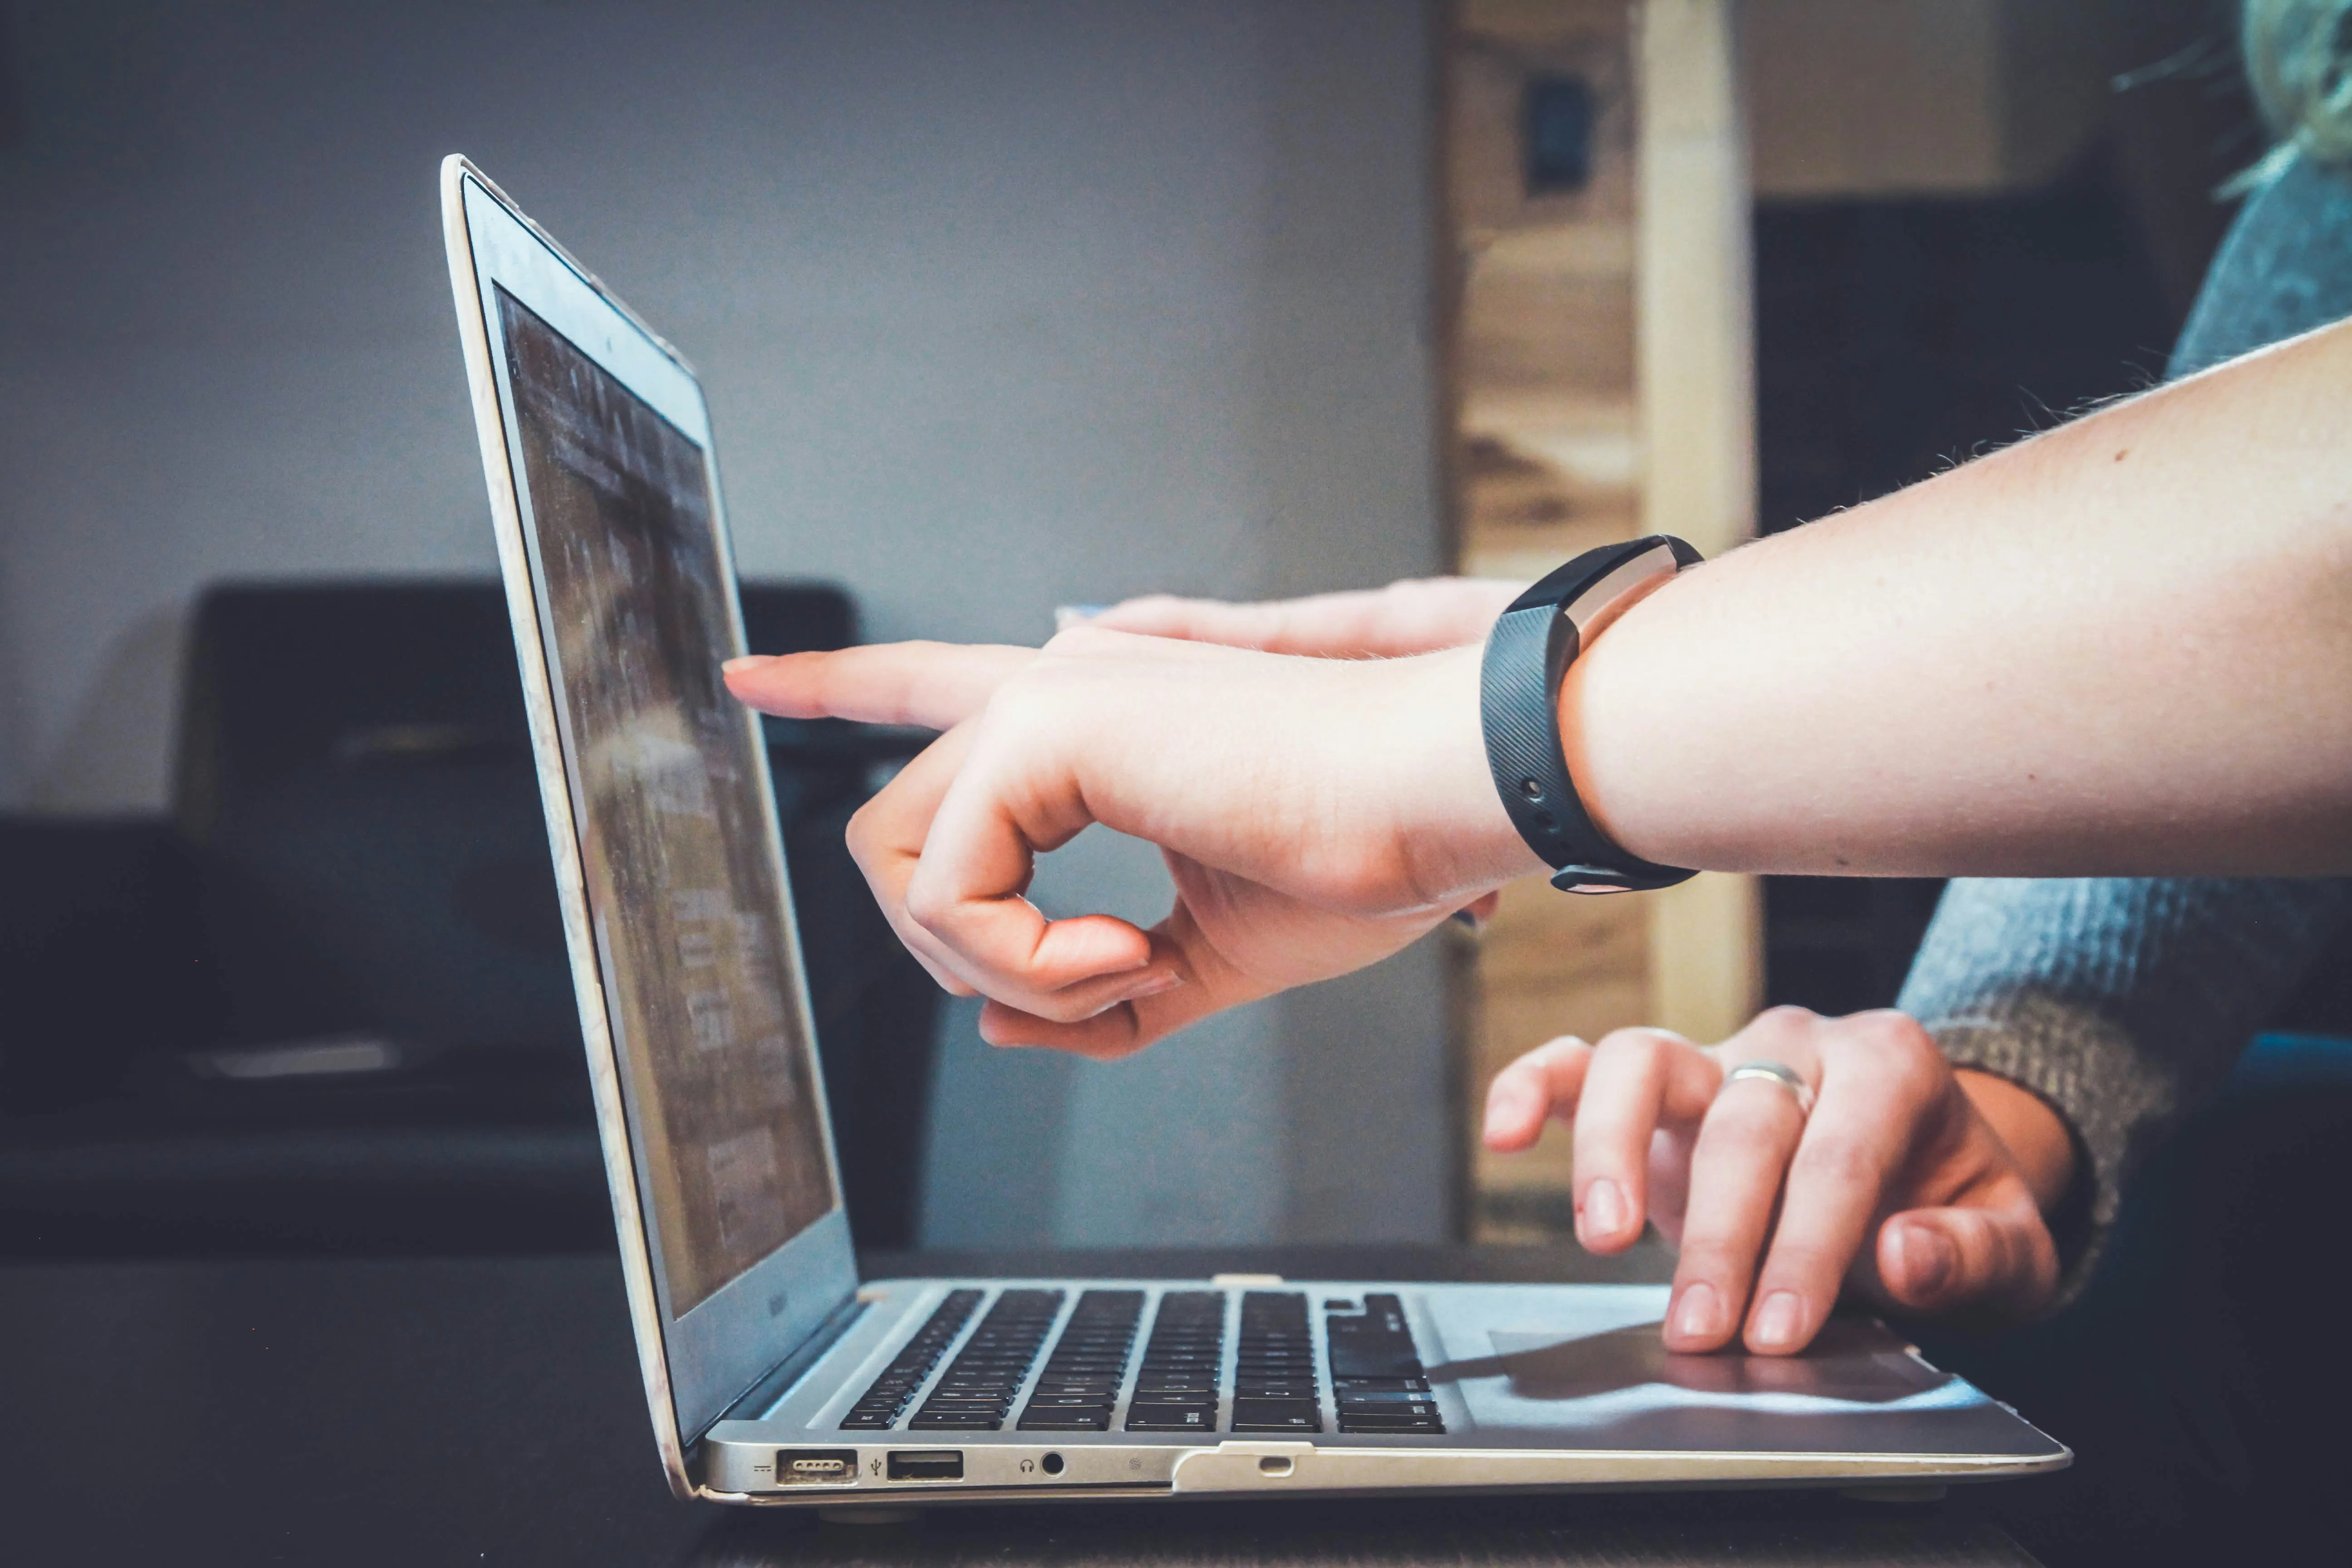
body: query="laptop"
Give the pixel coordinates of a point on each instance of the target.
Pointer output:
(773, 1373)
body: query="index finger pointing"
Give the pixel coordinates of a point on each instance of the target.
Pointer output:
(933, 685)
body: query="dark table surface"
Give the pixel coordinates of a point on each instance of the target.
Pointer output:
(486, 1411)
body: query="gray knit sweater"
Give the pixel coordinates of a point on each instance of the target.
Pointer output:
(2123, 1003)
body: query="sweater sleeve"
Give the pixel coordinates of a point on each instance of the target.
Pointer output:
(2121, 1002)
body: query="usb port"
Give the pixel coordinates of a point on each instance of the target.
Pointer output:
(927, 1464)
(817, 1467)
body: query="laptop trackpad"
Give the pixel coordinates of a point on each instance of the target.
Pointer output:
(1850, 1362)
(1622, 1386)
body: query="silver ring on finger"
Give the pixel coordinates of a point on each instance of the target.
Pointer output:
(1787, 1076)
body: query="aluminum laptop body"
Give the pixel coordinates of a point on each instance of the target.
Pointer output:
(773, 1374)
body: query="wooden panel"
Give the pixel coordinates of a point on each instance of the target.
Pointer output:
(1697, 378)
(1549, 458)
(1599, 345)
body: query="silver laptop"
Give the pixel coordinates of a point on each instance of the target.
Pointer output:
(773, 1373)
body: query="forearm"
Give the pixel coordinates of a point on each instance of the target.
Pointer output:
(2125, 645)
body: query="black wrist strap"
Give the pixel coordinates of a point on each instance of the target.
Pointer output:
(1527, 654)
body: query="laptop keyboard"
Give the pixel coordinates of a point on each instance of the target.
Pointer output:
(1184, 1365)
(979, 1385)
(1377, 1382)
(1274, 1367)
(911, 1367)
(1080, 1384)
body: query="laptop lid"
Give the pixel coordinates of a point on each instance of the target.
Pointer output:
(612, 543)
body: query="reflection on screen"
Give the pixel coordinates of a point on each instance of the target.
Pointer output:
(698, 974)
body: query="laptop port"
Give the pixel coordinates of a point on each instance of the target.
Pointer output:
(927, 1464)
(817, 1467)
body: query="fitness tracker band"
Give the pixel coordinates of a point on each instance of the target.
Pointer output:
(1527, 653)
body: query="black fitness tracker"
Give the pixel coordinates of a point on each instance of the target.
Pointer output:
(1518, 699)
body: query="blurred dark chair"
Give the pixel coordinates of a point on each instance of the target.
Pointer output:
(326, 1006)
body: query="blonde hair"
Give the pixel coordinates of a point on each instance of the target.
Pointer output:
(2299, 62)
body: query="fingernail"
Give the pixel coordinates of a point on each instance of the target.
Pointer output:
(748, 661)
(1159, 986)
(1779, 1320)
(1604, 1210)
(1926, 1256)
(1697, 1313)
(1068, 615)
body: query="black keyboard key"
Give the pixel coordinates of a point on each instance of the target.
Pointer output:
(1415, 1411)
(1097, 1419)
(1370, 1423)
(1276, 1416)
(1374, 1346)
(1362, 1361)
(1144, 1417)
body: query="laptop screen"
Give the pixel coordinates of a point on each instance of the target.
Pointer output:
(699, 968)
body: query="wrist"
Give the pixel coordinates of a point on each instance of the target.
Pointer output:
(1449, 823)
(2036, 1135)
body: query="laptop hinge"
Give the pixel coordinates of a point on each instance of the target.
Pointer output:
(763, 1396)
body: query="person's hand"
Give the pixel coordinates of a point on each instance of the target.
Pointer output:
(1317, 815)
(1922, 1188)
(1420, 615)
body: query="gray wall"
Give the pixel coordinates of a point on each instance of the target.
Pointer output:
(998, 307)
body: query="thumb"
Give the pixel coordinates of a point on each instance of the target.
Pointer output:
(2000, 1255)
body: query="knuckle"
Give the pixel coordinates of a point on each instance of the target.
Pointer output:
(1785, 1020)
(1895, 1034)
(863, 832)
(1918, 1078)
(1635, 1045)
(1555, 1056)
(927, 907)
(1086, 637)
(1020, 698)
(1891, 1023)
